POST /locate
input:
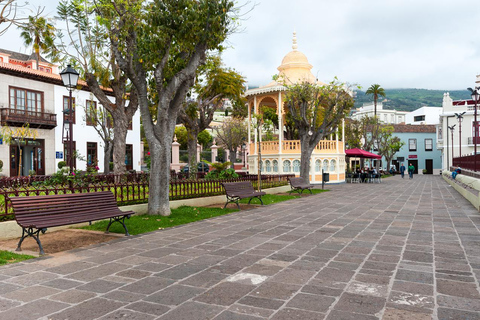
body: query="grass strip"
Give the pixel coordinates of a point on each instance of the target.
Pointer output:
(7, 257)
(138, 224)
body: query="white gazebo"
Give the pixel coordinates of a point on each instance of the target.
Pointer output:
(282, 156)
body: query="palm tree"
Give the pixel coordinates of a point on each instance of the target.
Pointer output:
(39, 32)
(376, 91)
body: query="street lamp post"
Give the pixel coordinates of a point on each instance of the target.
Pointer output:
(460, 119)
(69, 79)
(475, 96)
(451, 130)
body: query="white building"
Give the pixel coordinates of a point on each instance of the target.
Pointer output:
(385, 116)
(424, 115)
(38, 98)
(462, 142)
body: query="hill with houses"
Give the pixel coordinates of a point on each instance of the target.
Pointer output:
(411, 99)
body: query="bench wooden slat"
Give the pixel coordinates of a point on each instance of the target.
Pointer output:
(298, 184)
(236, 191)
(41, 212)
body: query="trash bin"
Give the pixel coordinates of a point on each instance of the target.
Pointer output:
(326, 177)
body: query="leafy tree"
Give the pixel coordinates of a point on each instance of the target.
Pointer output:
(39, 33)
(214, 83)
(353, 134)
(231, 135)
(388, 144)
(317, 112)
(84, 44)
(159, 46)
(375, 90)
(18, 136)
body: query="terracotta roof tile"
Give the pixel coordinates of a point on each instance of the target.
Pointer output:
(422, 128)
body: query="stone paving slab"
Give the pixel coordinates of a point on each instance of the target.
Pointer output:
(401, 249)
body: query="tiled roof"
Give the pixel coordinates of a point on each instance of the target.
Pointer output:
(21, 56)
(19, 71)
(422, 128)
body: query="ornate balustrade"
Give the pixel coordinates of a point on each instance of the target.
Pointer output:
(294, 147)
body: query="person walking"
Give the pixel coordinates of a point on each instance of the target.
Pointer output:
(411, 168)
(402, 170)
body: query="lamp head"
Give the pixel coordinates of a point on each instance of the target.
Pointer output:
(69, 77)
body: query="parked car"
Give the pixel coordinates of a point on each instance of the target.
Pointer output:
(201, 167)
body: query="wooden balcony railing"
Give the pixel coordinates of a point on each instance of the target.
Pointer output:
(17, 118)
(294, 147)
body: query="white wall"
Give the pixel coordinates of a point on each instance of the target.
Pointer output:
(83, 133)
(432, 115)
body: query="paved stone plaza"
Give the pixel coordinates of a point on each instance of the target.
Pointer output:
(402, 249)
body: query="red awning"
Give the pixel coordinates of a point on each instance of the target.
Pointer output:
(359, 153)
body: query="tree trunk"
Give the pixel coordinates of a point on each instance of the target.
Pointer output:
(106, 156)
(192, 136)
(159, 184)
(305, 155)
(232, 157)
(120, 130)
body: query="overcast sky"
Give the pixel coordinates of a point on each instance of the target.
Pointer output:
(430, 44)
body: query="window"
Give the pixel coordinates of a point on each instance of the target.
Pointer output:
(275, 166)
(91, 112)
(333, 166)
(392, 118)
(419, 118)
(325, 166)
(475, 134)
(428, 144)
(91, 154)
(26, 101)
(66, 99)
(317, 165)
(286, 166)
(412, 144)
(296, 166)
(129, 157)
(268, 166)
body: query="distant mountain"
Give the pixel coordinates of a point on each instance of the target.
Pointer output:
(411, 99)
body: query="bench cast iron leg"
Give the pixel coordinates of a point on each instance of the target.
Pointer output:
(259, 198)
(120, 220)
(232, 200)
(30, 233)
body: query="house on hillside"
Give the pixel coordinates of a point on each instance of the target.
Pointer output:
(384, 115)
(38, 98)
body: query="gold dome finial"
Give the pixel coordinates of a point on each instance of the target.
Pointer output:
(294, 46)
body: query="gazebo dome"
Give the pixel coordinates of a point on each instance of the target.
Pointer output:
(295, 66)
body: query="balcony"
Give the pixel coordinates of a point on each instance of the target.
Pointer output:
(294, 147)
(17, 118)
(471, 140)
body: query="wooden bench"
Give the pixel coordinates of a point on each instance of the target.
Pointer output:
(37, 213)
(235, 191)
(298, 184)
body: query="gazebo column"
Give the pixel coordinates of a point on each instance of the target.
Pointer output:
(256, 135)
(280, 123)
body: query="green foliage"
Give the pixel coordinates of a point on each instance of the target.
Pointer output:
(412, 99)
(204, 138)
(61, 164)
(1, 165)
(32, 172)
(7, 257)
(222, 174)
(39, 33)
